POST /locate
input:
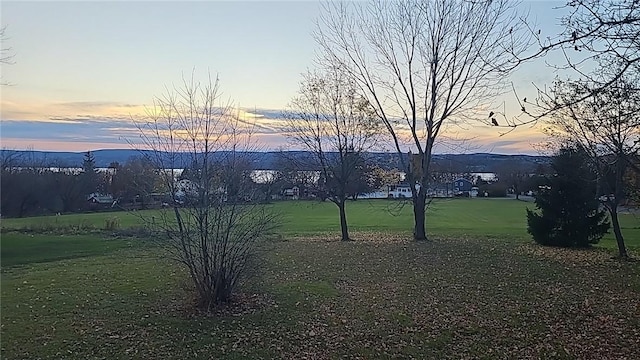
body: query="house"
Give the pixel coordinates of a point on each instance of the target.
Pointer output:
(396, 191)
(399, 191)
(464, 187)
(185, 188)
(291, 193)
(100, 200)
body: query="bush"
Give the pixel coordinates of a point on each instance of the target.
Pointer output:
(112, 224)
(48, 227)
(569, 213)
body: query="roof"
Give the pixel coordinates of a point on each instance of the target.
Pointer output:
(100, 199)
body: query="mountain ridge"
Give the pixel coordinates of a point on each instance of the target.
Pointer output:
(267, 160)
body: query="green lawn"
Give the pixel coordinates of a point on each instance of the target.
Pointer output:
(487, 218)
(479, 289)
(483, 217)
(502, 218)
(22, 249)
(448, 298)
(96, 220)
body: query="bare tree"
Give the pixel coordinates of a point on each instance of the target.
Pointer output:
(209, 228)
(606, 124)
(514, 174)
(132, 182)
(424, 65)
(598, 35)
(334, 123)
(9, 159)
(607, 31)
(6, 55)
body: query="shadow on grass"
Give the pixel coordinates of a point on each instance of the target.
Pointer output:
(24, 249)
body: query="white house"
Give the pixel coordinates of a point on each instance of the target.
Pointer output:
(184, 188)
(398, 191)
(292, 193)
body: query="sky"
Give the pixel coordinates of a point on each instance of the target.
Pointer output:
(82, 70)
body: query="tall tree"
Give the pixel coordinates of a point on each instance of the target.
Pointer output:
(134, 181)
(514, 174)
(22, 191)
(569, 213)
(598, 36)
(26, 187)
(89, 175)
(601, 47)
(329, 119)
(606, 124)
(424, 65)
(70, 190)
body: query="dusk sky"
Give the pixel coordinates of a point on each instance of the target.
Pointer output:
(83, 70)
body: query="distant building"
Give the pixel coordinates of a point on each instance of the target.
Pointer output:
(396, 191)
(464, 187)
(291, 193)
(100, 200)
(399, 191)
(184, 188)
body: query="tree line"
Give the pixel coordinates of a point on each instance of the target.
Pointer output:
(39, 187)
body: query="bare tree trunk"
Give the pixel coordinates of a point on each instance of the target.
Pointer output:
(419, 209)
(21, 208)
(622, 249)
(343, 220)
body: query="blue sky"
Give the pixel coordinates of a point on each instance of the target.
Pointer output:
(82, 70)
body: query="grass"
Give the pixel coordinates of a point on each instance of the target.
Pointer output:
(445, 217)
(91, 220)
(479, 289)
(449, 298)
(487, 218)
(22, 249)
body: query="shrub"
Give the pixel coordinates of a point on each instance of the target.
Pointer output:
(47, 227)
(569, 213)
(112, 224)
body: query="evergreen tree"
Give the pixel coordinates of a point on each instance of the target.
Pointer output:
(89, 162)
(569, 213)
(89, 175)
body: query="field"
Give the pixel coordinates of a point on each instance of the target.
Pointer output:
(486, 218)
(477, 289)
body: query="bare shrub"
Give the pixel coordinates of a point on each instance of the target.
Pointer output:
(211, 224)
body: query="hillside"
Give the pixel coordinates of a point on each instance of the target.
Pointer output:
(477, 162)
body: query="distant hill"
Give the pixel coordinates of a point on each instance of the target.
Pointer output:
(478, 162)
